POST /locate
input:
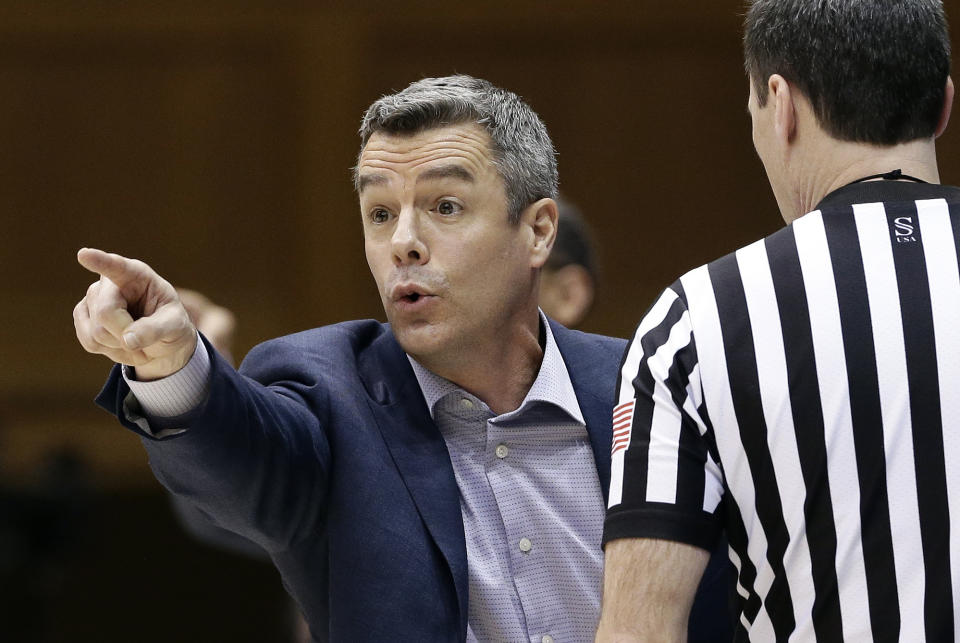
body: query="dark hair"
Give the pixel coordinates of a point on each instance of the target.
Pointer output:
(574, 244)
(874, 70)
(522, 149)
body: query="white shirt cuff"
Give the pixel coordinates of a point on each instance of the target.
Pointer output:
(176, 394)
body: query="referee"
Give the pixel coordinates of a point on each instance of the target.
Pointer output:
(803, 393)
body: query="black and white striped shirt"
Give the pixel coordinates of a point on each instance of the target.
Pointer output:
(803, 393)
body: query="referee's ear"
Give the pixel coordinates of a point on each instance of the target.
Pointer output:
(540, 218)
(785, 109)
(946, 109)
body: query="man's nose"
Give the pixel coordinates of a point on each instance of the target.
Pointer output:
(407, 243)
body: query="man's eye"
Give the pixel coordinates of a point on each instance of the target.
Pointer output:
(448, 207)
(379, 215)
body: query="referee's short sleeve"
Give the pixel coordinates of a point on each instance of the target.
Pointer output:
(665, 480)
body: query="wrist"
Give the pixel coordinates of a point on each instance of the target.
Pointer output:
(176, 394)
(166, 366)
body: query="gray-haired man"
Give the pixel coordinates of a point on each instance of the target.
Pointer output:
(438, 478)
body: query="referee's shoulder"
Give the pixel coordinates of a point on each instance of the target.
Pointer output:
(724, 269)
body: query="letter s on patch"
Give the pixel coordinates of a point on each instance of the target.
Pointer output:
(903, 226)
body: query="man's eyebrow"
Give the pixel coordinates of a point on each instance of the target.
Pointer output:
(370, 179)
(447, 171)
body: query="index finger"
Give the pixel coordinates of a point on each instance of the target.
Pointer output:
(114, 267)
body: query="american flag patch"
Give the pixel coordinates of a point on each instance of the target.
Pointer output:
(622, 423)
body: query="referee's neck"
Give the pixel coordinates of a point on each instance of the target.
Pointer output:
(838, 163)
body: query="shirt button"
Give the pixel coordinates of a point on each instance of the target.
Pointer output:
(467, 404)
(546, 638)
(525, 545)
(502, 451)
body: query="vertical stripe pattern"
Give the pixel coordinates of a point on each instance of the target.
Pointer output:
(940, 240)
(803, 394)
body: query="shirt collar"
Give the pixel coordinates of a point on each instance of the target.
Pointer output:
(552, 386)
(876, 191)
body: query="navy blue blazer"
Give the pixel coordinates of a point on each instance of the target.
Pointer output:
(322, 451)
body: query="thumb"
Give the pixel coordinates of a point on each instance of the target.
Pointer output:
(168, 326)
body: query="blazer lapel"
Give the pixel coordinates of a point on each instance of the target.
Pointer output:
(592, 365)
(419, 451)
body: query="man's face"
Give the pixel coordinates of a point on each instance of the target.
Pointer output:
(450, 267)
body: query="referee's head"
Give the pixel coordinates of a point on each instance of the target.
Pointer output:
(873, 70)
(870, 73)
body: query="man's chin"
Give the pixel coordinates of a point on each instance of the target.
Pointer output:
(419, 340)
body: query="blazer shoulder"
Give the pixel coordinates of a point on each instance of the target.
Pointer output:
(579, 343)
(327, 348)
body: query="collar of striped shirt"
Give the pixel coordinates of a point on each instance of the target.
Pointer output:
(552, 385)
(877, 191)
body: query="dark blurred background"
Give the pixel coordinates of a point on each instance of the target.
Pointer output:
(213, 139)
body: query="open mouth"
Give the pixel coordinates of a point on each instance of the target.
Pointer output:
(410, 295)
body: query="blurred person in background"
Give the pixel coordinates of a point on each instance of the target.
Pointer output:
(568, 281)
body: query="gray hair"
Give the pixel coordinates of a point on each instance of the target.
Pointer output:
(522, 149)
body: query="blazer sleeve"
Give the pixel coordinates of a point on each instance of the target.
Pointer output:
(255, 455)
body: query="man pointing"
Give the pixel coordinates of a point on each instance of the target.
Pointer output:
(440, 478)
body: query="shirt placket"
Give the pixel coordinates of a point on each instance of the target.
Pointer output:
(505, 458)
(466, 421)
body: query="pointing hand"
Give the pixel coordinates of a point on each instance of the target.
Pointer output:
(133, 316)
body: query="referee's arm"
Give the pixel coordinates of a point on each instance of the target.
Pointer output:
(665, 487)
(648, 589)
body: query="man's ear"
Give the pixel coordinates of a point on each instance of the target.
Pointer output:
(785, 111)
(541, 217)
(946, 109)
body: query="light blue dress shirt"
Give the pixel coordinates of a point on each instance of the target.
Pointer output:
(531, 504)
